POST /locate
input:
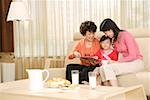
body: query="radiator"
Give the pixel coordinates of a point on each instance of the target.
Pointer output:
(7, 72)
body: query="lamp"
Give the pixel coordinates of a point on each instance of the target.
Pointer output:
(17, 11)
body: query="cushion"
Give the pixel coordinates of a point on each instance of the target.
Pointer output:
(127, 80)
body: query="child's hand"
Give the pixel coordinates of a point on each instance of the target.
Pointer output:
(112, 61)
(95, 57)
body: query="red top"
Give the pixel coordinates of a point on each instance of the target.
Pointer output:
(113, 55)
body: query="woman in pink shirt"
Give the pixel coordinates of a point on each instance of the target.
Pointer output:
(126, 45)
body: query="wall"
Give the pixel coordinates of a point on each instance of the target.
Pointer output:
(0, 29)
(6, 28)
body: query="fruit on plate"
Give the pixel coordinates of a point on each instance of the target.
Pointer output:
(58, 83)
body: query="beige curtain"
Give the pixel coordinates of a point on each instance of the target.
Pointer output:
(135, 13)
(30, 39)
(53, 23)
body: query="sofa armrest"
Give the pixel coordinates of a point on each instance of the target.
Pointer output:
(57, 72)
(144, 79)
(127, 80)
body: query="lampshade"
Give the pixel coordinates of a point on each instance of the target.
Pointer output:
(17, 11)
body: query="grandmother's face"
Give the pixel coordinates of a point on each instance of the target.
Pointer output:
(109, 33)
(89, 36)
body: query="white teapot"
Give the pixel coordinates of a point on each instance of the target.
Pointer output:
(36, 81)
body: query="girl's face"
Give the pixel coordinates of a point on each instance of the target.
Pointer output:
(109, 33)
(89, 36)
(106, 44)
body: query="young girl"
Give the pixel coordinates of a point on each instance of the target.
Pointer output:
(105, 54)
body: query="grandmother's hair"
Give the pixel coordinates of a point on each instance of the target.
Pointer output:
(87, 26)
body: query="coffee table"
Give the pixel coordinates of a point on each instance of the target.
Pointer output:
(18, 90)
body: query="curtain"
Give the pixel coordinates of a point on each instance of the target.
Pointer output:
(53, 23)
(135, 13)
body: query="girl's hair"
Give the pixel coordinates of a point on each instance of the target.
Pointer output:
(104, 37)
(108, 24)
(87, 26)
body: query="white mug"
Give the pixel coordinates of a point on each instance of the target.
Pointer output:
(36, 81)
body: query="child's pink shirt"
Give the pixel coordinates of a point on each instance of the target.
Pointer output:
(127, 46)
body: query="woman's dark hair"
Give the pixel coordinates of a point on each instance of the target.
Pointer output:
(104, 37)
(108, 24)
(87, 26)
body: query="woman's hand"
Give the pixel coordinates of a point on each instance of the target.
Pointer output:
(112, 61)
(71, 56)
(74, 54)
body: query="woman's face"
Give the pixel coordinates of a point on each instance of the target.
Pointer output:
(106, 44)
(109, 33)
(89, 36)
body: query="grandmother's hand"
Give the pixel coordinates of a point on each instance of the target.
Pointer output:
(77, 54)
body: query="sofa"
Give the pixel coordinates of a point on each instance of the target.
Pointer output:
(142, 37)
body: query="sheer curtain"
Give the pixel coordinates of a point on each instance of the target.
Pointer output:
(65, 16)
(135, 13)
(30, 39)
(53, 23)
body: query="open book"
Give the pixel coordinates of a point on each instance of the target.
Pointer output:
(89, 59)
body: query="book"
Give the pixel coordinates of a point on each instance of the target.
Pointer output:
(89, 59)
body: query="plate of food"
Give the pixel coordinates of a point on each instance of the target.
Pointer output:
(89, 59)
(60, 83)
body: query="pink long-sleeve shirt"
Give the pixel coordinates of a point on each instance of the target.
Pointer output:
(127, 46)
